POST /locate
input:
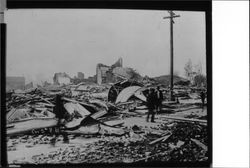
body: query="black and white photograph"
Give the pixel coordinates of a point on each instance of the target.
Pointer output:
(106, 86)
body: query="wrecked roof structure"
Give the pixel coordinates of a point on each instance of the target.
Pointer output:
(118, 87)
(126, 93)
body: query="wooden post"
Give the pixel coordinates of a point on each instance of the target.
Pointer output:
(171, 57)
(172, 15)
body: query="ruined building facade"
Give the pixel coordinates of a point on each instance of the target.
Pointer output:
(61, 78)
(104, 73)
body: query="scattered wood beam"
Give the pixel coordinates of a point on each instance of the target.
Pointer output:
(185, 119)
(197, 142)
(164, 138)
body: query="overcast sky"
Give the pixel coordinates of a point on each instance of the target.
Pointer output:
(41, 42)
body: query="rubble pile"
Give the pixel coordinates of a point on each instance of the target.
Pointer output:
(102, 113)
(28, 105)
(185, 142)
(39, 103)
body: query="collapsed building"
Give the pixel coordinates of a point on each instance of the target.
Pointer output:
(115, 73)
(104, 73)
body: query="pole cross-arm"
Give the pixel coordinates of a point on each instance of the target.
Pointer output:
(168, 17)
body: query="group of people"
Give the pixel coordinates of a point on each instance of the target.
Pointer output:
(154, 102)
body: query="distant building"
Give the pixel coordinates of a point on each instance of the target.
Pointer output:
(80, 75)
(14, 83)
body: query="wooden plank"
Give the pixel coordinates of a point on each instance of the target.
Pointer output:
(10, 126)
(31, 118)
(29, 125)
(185, 119)
(125, 103)
(197, 142)
(45, 104)
(99, 114)
(46, 101)
(115, 123)
(164, 138)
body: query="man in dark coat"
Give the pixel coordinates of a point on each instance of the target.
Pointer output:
(159, 99)
(151, 104)
(60, 114)
(202, 95)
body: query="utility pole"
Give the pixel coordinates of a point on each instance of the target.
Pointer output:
(172, 15)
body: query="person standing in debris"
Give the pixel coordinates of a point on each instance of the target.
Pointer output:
(151, 104)
(60, 114)
(202, 95)
(159, 99)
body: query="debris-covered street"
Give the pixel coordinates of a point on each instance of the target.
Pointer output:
(105, 131)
